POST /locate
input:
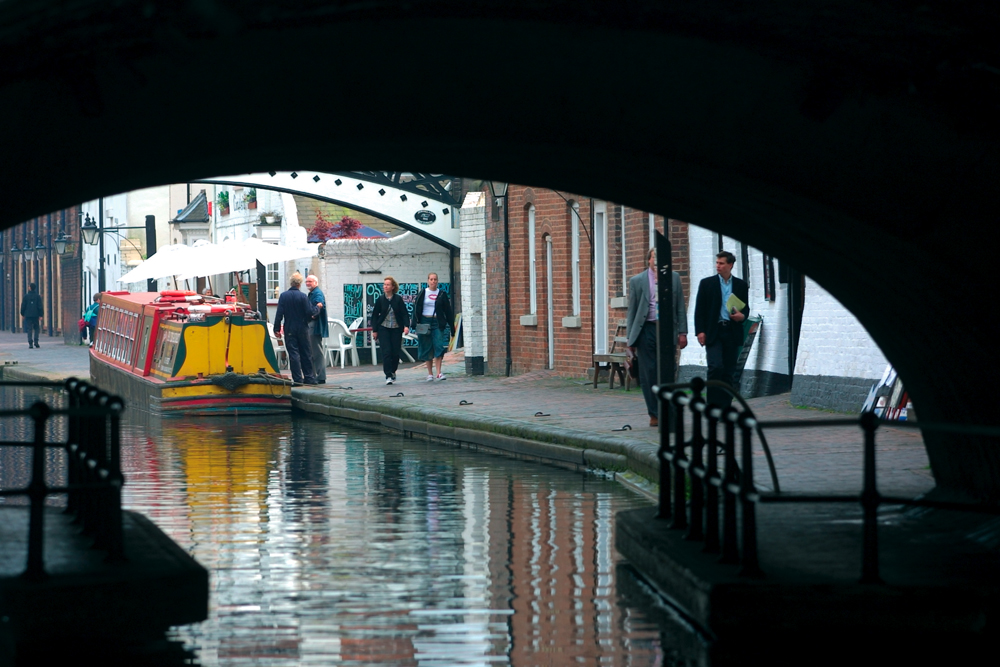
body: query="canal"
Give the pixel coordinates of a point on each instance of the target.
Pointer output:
(331, 545)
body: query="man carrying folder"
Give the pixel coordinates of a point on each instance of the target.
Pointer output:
(719, 312)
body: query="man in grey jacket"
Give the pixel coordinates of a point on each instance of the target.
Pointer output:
(640, 327)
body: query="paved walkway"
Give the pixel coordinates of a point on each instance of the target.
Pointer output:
(817, 460)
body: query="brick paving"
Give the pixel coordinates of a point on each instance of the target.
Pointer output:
(825, 459)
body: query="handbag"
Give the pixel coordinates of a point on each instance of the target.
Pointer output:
(422, 328)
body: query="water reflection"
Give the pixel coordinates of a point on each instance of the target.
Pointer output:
(371, 549)
(335, 547)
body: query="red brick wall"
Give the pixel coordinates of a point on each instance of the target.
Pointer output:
(573, 346)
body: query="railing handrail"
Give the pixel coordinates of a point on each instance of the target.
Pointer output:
(737, 483)
(94, 478)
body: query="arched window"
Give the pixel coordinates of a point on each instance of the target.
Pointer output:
(533, 289)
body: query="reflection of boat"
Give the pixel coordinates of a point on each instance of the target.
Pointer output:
(180, 353)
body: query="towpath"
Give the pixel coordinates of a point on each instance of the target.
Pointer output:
(816, 460)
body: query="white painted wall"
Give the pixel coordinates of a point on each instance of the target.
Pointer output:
(833, 342)
(472, 222)
(407, 257)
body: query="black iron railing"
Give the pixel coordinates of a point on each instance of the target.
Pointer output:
(692, 488)
(93, 477)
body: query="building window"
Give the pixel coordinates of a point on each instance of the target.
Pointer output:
(533, 291)
(575, 258)
(652, 230)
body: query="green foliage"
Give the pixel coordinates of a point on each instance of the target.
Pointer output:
(222, 199)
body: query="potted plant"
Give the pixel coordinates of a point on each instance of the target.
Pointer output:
(222, 201)
(252, 198)
(267, 218)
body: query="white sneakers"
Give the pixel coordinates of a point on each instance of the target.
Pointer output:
(388, 380)
(440, 377)
(430, 378)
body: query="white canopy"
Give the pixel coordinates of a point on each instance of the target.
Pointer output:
(209, 259)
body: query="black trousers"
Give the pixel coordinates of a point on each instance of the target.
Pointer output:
(299, 358)
(32, 328)
(646, 351)
(721, 357)
(391, 342)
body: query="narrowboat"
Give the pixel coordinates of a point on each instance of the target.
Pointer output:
(179, 353)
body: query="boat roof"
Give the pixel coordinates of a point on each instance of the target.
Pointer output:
(133, 297)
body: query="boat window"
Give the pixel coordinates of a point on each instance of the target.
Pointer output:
(147, 325)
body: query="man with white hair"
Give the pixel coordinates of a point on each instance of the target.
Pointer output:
(297, 313)
(318, 330)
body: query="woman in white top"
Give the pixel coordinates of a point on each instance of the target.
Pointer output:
(433, 309)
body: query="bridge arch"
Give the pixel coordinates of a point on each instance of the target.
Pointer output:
(414, 205)
(857, 142)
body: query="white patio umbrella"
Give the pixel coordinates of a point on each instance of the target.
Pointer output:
(210, 259)
(169, 260)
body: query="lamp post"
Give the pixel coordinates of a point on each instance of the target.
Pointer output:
(499, 191)
(93, 233)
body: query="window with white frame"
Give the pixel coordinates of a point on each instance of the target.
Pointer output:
(652, 230)
(533, 288)
(575, 258)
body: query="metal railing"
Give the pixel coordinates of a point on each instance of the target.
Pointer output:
(93, 478)
(690, 487)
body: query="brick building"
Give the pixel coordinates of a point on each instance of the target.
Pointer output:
(58, 276)
(570, 261)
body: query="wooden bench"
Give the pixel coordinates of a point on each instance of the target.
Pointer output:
(614, 360)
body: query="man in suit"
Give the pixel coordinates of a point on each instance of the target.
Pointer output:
(296, 311)
(640, 327)
(318, 330)
(720, 328)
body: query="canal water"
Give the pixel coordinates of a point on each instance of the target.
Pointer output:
(330, 545)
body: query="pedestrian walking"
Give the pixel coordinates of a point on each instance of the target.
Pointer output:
(389, 325)
(31, 311)
(297, 313)
(90, 318)
(640, 327)
(722, 305)
(432, 318)
(318, 330)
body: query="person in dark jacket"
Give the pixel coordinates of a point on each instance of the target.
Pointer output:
(31, 311)
(719, 325)
(433, 308)
(389, 325)
(318, 330)
(297, 313)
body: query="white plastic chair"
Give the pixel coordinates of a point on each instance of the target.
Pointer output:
(336, 343)
(279, 351)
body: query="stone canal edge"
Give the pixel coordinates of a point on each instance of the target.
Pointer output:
(633, 462)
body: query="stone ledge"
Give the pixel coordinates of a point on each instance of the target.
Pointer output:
(555, 444)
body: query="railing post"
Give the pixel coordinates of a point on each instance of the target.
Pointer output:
(870, 500)
(72, 446)
(750, 565)
(711, 481)
(113, 511)
(664, 456)
(697, 529)
(37, 490)
(730, 548)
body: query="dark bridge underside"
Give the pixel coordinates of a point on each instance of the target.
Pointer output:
(858, 140)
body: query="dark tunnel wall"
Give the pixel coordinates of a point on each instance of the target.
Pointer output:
(859, 144)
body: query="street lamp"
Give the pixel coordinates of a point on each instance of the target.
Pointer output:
(27, 253)
(60, 242)
(499, 191)
(89, 230)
